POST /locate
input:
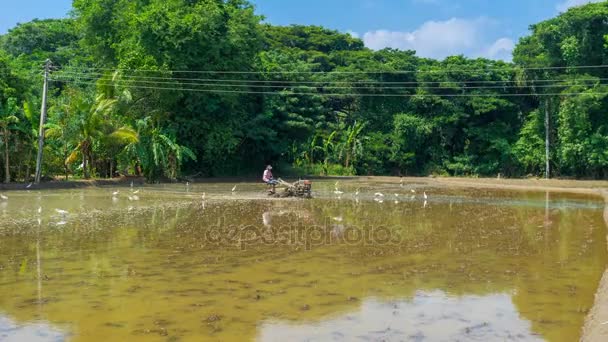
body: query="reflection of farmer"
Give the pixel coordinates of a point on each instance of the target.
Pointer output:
(267, 219)
(269, 179)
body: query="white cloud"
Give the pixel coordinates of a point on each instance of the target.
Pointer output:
(566, 4)
(501, 49)
(439, 39)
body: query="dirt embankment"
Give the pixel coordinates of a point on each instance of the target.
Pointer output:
(74, 184)
(552, 185)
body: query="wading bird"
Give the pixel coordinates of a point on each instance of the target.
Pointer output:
(234, 189)
(425, 196)
(4, 198)
(62, 212)
(337, 190)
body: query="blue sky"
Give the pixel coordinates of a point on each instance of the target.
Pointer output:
(434, 28)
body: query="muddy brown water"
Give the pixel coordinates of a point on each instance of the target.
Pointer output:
(169, 266)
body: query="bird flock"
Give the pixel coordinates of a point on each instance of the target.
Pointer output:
(133, 195)
(380, 197)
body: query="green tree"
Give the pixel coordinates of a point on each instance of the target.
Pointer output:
(8, 117)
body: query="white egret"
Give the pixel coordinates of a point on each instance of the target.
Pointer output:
(29, 185)
(136, 192)
(234, 189)
(3, 197)
(115, 193)
(379, 194)
(39, 210)
(337, 189)
(203, 196)
(413, 191)
(357, 192)
(426, 197)
(62, 212)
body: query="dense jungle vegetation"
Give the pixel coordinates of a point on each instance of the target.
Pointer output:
(164, 88)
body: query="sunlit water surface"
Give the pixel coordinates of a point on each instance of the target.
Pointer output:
(169, 266)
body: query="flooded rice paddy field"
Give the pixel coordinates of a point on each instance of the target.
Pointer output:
(165, 265)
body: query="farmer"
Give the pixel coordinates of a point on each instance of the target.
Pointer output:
(269, 179)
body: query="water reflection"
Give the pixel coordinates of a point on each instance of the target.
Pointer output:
(10, 331)
(428, 316)
(519, 266)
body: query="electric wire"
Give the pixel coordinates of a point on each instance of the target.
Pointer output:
(330, 94)
(178, 83)
(127, 77)
(446, 70)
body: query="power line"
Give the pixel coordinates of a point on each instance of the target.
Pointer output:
(577, 67)
(177, 83)
(102, 75)
(331, 94)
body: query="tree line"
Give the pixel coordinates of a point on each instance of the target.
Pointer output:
(169, 88)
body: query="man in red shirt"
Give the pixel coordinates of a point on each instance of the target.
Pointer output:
(269, 179)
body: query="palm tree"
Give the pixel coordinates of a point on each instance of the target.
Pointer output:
(8, 117)
(93, 125)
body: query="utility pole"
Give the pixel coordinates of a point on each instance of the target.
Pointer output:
(547, 140)
(45, 88)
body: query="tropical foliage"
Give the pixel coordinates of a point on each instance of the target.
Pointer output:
(165, 88)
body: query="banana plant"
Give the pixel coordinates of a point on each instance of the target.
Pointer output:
(157, 151)
(352, 146)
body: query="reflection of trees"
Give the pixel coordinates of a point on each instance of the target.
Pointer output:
(146, 265)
